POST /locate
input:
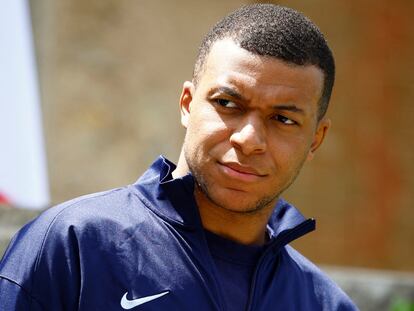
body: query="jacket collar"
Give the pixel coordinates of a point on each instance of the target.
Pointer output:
(173, 200)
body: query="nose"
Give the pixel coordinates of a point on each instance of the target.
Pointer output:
(250, 136)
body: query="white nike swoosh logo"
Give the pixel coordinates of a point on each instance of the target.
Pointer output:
(129, 304)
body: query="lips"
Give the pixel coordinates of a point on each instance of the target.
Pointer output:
(240, 172)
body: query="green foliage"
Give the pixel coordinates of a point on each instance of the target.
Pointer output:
(402, 305)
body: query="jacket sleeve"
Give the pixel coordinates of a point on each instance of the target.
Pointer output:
(39, 270)
(13, 297)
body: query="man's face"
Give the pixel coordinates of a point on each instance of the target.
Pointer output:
(251, 124)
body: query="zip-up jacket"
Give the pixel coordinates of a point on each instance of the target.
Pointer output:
(143, 247)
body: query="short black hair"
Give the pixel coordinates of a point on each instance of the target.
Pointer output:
(276, 31)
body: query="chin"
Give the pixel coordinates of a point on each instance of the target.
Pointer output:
(240, 202)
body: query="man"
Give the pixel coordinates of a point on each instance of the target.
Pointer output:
(210, 233)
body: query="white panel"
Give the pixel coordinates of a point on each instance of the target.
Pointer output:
(23, 174)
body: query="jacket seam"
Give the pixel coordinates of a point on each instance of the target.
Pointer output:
(52, 222)
(22, 288)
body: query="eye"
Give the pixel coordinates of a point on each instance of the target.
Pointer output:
(285, 120)
(226, 103)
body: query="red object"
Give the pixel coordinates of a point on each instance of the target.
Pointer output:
(3, 199)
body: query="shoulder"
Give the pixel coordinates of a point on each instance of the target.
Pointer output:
(78, 212)
(60, 231)
(325, 290)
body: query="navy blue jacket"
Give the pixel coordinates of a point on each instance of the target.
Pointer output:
(115, 250)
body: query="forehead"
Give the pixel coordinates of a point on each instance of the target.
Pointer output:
(255, 75)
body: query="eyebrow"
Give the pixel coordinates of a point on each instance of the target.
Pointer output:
(233, 93)
(292, 108)
(229, 91)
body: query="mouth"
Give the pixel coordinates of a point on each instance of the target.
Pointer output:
(240, 172)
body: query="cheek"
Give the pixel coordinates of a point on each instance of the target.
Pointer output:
(206, 128)
(288, 151)
(204, 143)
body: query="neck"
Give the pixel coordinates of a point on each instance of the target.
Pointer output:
(182, 167)
(244, 228)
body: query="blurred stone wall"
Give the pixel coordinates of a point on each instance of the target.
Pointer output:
(111, 73)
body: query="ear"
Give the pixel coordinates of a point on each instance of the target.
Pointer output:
(185, 102)
(321, 131)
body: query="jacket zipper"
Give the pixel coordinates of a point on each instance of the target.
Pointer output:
(303, 228)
